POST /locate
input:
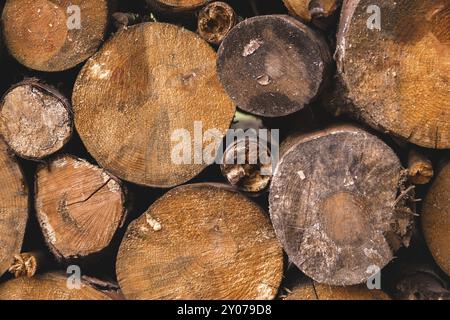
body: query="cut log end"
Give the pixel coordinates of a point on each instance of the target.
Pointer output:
(49, 286)
(339, 218)
(403, 88)
(26, 264)
(175, 5)
(310, 10)
(436, 219)
(221, 247)
(242, 166)
(135, 108)
(310, 290)
(77, 202)
(13, 208)
(48, 36)
(215, 21)
(282, 65)
(420, 168)
(36, 120)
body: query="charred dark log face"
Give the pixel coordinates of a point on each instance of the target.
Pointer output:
(128, 166)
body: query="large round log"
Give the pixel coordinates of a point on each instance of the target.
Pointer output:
(13, 208)
(436, 218)
(49, 35)
(147, 83)
(273, 65)
(393, 58)
(335, 204)
(200, 241)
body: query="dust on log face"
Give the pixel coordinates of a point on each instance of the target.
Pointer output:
(45, 35)
(49, 286)
(79, 207)
(35, 120)
(436, 219)
(398, 76)
(13, 208)
(146, 84)
(272, 65)
(333, 205)
(200, 242)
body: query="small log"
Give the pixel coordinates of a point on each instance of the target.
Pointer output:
(310, 290)
(175, 5)
(273, 65)
(129, 102)
(54, 36)
(201, 241)
(422, 285)
(215, 20)
(79, 207)
(27, 264)
(49, 286)
(312, 10)
(35, 119)
(393, 59)
(435, 218)
(420, 167)
(13, 208)
(337, 203)
(243, 168)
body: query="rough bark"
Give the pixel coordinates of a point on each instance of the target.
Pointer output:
(215, 20)
(435, 218)
(35, 119)
(200, 241)
(420, 167)
(13, 208)
(396, 76)
(147, 83)
(49, 286)
(79, 207)
(273, 65)
(337, 203)
(42, 35)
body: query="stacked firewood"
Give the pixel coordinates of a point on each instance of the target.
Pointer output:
(118, 180)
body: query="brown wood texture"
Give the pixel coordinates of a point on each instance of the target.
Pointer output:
(397, 76)
(37, 32)
(13, 208)
(79, 207)
(49, 286)
(145, 83)
(310, 290)
(435, 218)
(308, 10)
(175, 5)
(334, 204)
(273, 65)
(200, 241)
(35, 119)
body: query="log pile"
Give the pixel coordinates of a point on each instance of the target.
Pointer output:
(195, 149)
